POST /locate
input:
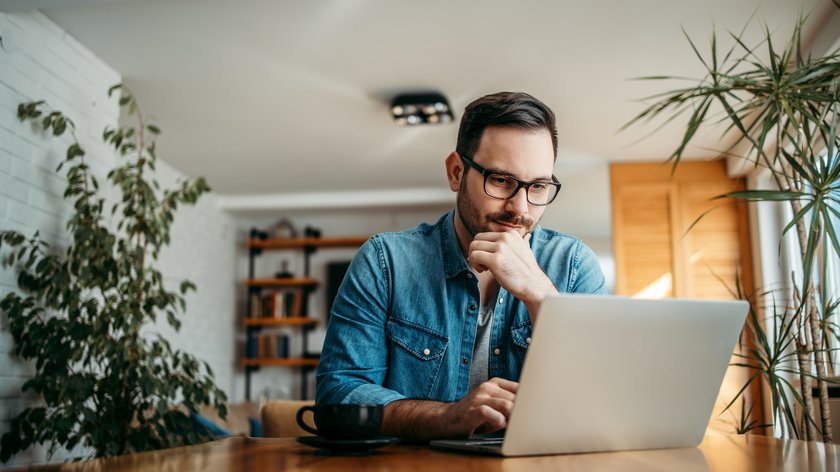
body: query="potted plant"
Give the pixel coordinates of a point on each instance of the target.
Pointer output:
(782, 108)
(102, 382)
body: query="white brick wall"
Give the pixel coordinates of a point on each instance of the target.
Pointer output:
(41, 61)
(203, 251)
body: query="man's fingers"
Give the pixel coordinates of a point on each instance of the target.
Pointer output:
(487, 236)
(480, 260)
(492, 419)
(505, 384)
(492, 389)
(487, 246)
(500, 405)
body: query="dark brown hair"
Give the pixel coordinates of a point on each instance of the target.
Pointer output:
(513, 109)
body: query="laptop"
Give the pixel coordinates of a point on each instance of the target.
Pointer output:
(607, 373)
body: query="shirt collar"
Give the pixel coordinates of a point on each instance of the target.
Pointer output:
(454, 261)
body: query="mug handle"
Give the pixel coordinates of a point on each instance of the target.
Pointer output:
(302, 423)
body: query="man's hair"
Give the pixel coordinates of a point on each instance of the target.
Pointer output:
(507, 109)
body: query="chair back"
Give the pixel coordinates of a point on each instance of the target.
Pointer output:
(279, 418)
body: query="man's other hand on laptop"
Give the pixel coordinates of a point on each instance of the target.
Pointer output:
(508, 256)
(484, 410)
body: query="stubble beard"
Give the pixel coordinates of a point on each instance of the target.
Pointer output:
(474, 223)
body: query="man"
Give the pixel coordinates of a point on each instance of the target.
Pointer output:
(434, 322)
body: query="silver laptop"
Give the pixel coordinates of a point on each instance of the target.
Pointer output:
(606, 373)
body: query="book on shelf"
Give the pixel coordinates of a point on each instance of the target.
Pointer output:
(296, 308)
(283, 346)
(276, 304)
(273, 304)
(271, 346)
(254, 302)
(251, 349)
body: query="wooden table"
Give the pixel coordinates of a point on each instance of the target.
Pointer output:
(716, 453)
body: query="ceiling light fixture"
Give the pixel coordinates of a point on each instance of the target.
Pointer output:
(418, 108)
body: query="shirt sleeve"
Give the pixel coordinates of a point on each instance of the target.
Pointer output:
(354, 360)
(587, 276)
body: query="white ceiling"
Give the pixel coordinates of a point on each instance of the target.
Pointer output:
(284, 97)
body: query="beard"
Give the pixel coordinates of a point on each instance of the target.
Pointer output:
(475, 223)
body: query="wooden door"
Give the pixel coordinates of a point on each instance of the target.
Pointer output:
(673, 238)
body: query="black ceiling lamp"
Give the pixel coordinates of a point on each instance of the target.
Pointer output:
(411, 109)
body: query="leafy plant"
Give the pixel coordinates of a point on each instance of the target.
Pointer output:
(784, 111)
(81, 310)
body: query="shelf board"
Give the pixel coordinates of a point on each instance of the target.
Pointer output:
(298, 243)
(290, 321)
(281, 362)
(285, 282)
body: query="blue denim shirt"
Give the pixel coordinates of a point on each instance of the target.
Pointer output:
(403, 323)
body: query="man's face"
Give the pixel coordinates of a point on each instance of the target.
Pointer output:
(526, 155)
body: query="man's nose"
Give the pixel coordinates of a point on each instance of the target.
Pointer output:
(518, 203)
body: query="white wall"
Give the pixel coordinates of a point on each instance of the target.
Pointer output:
(40, 61)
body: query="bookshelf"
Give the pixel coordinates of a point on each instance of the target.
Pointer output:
(282, 302)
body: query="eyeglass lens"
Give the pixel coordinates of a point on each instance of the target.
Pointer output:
(504, 186)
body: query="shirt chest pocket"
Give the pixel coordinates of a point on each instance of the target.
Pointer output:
(416, 358)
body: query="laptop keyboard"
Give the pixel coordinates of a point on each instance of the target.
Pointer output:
(485, 442)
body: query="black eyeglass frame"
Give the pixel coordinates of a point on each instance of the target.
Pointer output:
(519, 183)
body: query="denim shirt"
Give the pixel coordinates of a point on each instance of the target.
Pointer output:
(403, 323)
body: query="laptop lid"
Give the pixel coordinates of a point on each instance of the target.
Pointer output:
(607, 373)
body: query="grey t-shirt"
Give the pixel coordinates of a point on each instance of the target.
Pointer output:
(480, 368)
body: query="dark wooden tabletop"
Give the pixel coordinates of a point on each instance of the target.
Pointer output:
(716, 453)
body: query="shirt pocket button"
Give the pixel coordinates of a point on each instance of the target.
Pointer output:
(426, 352)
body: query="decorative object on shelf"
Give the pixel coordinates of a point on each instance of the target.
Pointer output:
(257, 233)
(311, 232)
(783, 113)
(284, 272)
(284, 229)
(409, 109)
(103, 381)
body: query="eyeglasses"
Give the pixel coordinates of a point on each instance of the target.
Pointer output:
(504, 186)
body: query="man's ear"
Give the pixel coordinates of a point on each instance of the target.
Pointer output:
(454, 170)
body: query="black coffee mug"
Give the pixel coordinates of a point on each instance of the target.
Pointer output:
(344, 420)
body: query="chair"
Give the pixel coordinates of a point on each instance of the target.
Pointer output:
(279, 418)
(238, 421)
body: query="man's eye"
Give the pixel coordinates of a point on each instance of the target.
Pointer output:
(500, 180)
(539, 187)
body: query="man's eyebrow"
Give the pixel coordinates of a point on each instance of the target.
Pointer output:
(510, 174)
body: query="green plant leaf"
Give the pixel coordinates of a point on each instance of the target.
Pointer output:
(79, 313)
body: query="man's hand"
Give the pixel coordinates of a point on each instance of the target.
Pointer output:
(509, 257)
(485, 409)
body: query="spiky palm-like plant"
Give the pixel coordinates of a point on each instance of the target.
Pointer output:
(784, 111)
